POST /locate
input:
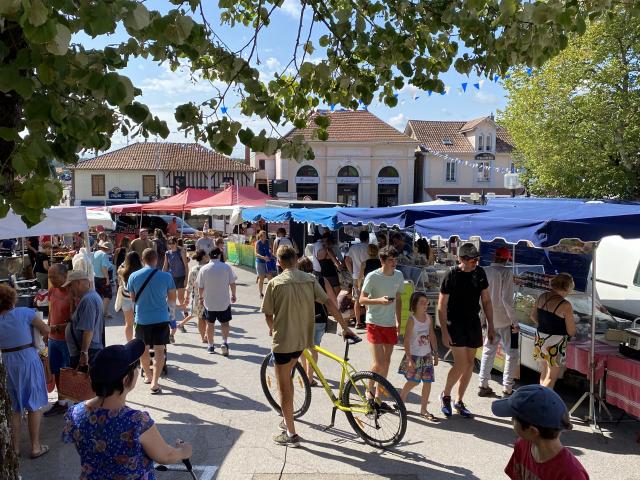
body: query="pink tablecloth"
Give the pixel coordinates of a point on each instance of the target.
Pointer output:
(578, 357)
(623, 384)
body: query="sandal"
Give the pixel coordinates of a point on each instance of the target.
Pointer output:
(43, 450)
(156, 391)
(429, 416)
(147, 381)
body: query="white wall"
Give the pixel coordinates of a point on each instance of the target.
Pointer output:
(123, 179)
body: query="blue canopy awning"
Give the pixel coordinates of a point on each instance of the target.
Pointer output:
(543, 222)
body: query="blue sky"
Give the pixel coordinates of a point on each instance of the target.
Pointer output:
(163, 90)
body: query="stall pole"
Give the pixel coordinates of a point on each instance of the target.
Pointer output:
(513, 260)
(182, 224)
(592, 394)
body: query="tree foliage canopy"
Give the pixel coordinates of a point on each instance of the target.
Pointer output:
(60, 97)
(576, 121)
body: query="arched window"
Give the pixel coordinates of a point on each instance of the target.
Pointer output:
(348, 180)
(388, 186)
(488, 143)
(307, 180)
(480, 142)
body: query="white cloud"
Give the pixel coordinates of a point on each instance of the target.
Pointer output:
(291, 7)
(272, 63)
(178, 83)
(398, 121)
(486, 98)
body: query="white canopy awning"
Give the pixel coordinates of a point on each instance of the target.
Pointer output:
(98, 217)
(57, 221)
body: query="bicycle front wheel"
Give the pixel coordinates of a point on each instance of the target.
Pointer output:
(377, 414)
(301, 387)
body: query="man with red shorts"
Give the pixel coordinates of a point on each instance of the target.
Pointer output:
(380, 293)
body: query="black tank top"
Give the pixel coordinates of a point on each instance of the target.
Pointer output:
(371, 264)
(327, 268)
(549, 322)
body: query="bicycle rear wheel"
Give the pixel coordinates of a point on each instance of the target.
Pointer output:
(301, 387)
(380, 419)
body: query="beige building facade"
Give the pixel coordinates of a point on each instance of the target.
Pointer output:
(365, 162)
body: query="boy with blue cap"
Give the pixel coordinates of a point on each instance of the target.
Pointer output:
(539, 416)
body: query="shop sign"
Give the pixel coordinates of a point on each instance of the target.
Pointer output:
(117, 194)
(348, 180)
(388, 180)
(308, 180)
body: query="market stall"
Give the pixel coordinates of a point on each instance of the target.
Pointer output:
(545, 223)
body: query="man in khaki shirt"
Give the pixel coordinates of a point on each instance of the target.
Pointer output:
(141, 243)
(289, 310)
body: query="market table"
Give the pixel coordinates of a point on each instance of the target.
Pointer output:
(623, 383)
(578, 357)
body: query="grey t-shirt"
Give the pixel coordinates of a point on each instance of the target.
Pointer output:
(87, 317)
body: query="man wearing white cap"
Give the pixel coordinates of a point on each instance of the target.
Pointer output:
(101, 266)
(505, 323)
(85, 332)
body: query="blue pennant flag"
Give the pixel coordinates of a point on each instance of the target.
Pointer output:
(477, 85)
(507, 76)
(416, 98)
(395, 95)
(224, 110)
(464, 87)
(332, 107)
(495, 78)
(529, 71)
(429, 92)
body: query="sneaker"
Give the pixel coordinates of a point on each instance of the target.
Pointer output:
(462, 409)
(211, 349)
(172, 339)
(485, 392)
(225, 350)
(445, 407)
(286, 441)
(182, 329)
(56, 409)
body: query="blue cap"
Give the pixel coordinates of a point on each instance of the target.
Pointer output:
(113, 362)
(534, 404)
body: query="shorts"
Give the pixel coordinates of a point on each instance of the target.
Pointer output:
(320, 329)
(284, 358)
(179, 281)
(423, 371)
(58, 355)
(551, 349)
(127, 304)
(223, 317)
(466, 334)
(381, 335)
(103, 287)
(153, 334)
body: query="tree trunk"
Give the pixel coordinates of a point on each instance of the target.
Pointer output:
(10, 114)
(8, 459)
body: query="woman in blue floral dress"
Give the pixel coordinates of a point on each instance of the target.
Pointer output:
(115, 441)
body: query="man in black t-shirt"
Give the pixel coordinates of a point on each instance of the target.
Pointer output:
(462, 289)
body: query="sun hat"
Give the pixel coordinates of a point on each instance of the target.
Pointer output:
(75, 275)
(113, 362)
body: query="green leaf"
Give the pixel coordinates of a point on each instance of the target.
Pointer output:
(245, 136)
(138, 18)
(137, 112)
(271, 147)
(508, 7)
(322, 121)
(9, 7)
(38, 13)
(9, 134)
(118, 89)
(60, 43)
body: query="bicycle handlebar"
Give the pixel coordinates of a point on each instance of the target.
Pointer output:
(352, 339)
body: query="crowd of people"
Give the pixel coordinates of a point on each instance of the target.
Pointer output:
(360, 289)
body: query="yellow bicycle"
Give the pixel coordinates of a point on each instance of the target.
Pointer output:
(372, 405)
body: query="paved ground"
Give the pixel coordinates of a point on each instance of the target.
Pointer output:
(217, 404)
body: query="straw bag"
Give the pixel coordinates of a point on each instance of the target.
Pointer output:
(75, 385)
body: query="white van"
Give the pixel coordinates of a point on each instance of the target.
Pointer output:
(618, 275)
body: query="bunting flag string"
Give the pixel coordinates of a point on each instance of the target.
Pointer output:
(475, 164)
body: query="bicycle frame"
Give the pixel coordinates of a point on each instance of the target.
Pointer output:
(347, 371)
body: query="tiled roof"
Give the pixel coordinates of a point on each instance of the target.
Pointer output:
(354, 126)
(431, 134)
(471, 124)
(184, 157)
